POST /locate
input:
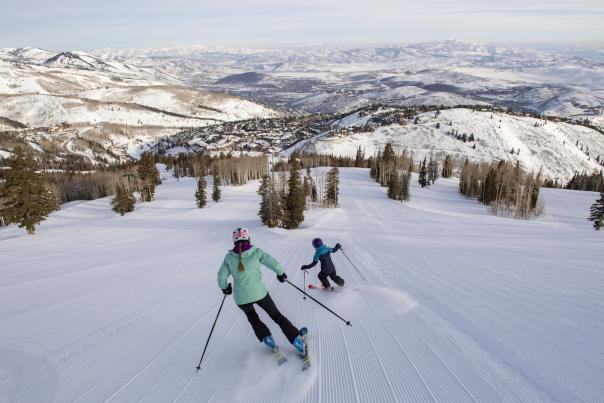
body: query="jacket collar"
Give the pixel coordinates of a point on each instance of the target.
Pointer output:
(245, 245)
(244, 253)
(322, 249)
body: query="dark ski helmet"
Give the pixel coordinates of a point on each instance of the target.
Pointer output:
(317, 242)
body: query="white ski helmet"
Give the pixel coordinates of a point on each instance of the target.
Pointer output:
(241, 234)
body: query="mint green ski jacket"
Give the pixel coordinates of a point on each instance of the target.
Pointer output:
(247, 285)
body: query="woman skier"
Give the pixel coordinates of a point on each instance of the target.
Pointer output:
(243, 263)
(322, 254)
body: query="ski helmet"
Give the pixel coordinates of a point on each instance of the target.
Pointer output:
(241, 234)
(317, 242)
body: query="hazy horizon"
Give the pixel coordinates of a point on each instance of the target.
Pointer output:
(545, 46)
(68, 24)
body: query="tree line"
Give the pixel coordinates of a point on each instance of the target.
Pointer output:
(283, 198)
(502, 185)
(230, 170)
(593, 182)
(393, 170)
(315, 160)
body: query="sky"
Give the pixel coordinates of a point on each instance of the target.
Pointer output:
(83, 24)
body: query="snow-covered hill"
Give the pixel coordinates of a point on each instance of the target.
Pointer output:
(458, 305)
(73, 95)
(537, 143)
(116, 103)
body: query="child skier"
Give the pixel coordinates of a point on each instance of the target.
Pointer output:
(322, 253)
(243, 263)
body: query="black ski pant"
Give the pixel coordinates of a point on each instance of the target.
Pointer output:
(336, 279)
(260, 329)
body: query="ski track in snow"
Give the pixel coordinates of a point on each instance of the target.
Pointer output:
(457, 305)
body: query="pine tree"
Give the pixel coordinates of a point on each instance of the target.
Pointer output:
(264, 192)
(26, 196)
(293, 215)
(200, 195)
(597, 212)
(359, 160)
(489, 189)
(432, 170)
(332, 187)
(270, 203)
(149, 176)
(216, 193)
(123, 202)
(423, 180)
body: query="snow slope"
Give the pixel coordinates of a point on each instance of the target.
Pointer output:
(458, 305)
(551, 145)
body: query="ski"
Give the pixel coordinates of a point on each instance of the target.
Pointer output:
(269, 342)
(314, 287)
(305, 357)
(280, 359)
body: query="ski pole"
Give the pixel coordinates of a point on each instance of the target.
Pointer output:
(212, 330)
(304, 292)
(347, 258)
(305, 272)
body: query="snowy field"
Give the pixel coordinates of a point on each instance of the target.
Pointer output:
(458, 305)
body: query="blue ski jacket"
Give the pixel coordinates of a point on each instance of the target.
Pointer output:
(322, 255)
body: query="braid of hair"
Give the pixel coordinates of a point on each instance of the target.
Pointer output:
(241, 268)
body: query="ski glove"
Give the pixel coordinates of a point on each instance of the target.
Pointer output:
(305, 267)
(338, 247)
(228, 290)
(282, 277)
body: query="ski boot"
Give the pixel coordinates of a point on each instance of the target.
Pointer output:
(270, 343)
(302, 348)
(339, 281)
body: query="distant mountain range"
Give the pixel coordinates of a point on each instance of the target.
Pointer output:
(330, 78)
(108, 105)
